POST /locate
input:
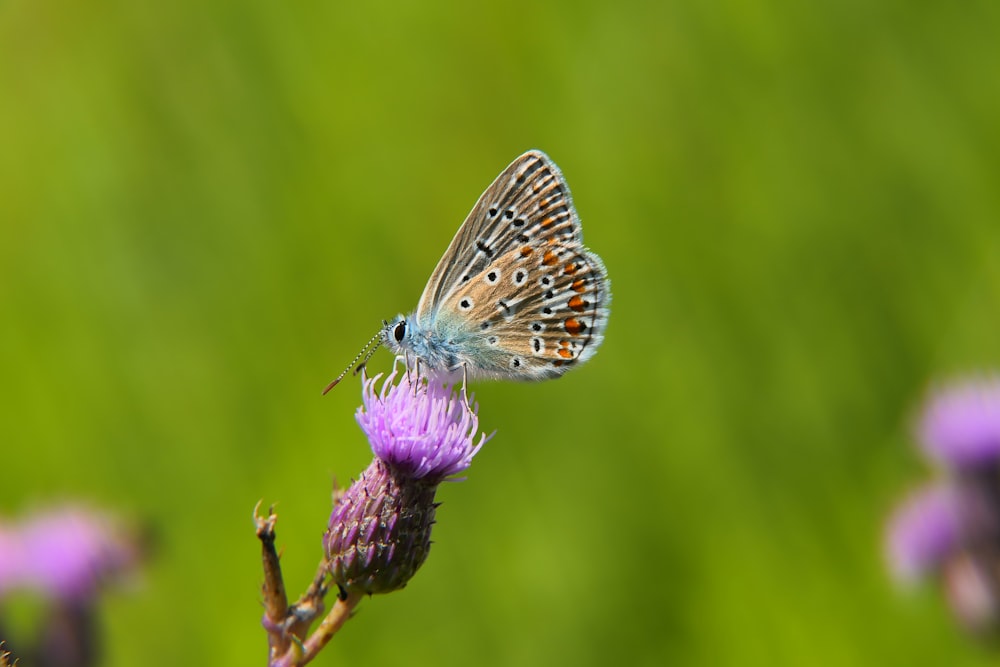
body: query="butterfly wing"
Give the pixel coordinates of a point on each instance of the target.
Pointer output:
(527, 205)
(533, 313)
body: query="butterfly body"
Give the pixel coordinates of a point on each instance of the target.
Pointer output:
(446, 349)
(516, 296)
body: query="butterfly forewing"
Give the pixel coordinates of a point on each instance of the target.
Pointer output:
(527, 206)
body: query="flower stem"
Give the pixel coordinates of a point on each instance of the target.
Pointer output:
(331, 624)
(301, 654)
(287, 625)
(273, 588)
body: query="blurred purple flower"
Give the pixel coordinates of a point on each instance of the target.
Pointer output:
(422, 433)
(951, 530)
(63, 553)
(960, 426)
(923, 532)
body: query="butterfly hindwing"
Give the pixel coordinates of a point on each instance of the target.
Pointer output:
(534, 312)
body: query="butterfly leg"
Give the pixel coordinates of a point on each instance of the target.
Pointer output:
(465, 385)
(416, 373)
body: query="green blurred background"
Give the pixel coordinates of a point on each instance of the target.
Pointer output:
(207, 207)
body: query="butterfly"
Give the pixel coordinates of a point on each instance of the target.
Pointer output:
(516, 295)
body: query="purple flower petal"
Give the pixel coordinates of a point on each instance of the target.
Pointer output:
(960, 426)
(922, 532)
(421, 430)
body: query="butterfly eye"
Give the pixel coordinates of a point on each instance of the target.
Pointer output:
(399, 332)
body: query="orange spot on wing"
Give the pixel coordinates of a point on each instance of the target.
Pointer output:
(577, 303)
(548, 221)
(526, 250)
(575, 327)
(550, 258)
(565, 353)
(579, 285)
(569, 269)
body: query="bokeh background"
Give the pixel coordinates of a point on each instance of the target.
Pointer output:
(206, 208)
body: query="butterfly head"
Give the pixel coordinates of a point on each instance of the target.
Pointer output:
(395, 335)
(426, 348)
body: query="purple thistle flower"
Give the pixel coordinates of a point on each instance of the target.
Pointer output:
(64, 553)
(960, 426)
(951, 530)
(423, 431)
(422, 434)
(924, 531)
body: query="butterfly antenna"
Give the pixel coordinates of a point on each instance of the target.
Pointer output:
(362, 353)
(364, 362)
